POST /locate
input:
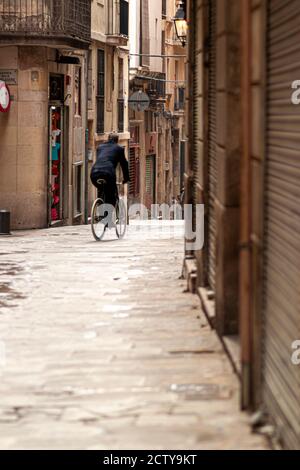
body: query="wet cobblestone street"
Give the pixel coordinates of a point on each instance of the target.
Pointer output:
(104, 349)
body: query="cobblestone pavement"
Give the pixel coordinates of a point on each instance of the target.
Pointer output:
(104, 349)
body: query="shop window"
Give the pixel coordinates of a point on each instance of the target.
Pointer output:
(56, 162)
(100, 91)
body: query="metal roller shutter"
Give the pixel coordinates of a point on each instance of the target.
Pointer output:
(132, 171)
(212, 137)
(197, 121)
(150, 180)
(281, 315)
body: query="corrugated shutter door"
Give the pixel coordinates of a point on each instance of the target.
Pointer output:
(150, 180)
(132, 171)
(197, 92)
(149, 175)
(281, 316)
(212, 138)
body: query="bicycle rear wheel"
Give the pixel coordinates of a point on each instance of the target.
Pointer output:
(98, 221)
(121, 219)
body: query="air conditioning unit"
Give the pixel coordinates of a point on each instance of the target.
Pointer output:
(167, 166)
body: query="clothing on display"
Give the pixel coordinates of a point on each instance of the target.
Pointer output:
(55, 133)
(56, 167)
(55, 150)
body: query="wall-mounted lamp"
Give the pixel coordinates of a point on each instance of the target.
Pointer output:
(181, 24)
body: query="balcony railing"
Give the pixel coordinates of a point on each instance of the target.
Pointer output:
(67, 20)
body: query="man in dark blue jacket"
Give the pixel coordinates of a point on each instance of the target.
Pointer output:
(109, 156)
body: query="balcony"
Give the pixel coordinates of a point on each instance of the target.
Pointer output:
(118, 22)
(65, 23)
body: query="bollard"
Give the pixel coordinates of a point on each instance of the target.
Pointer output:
(4, 222)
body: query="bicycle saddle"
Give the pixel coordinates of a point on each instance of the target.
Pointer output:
(101, 181)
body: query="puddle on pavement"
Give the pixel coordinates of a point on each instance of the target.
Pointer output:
(19, 252)
(120, 315)
(8, 294)
(201, 391)
(109, 308)
(9, 269)
(112, 292)
(135, 272)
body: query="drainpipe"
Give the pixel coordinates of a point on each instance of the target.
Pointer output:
(188, 171)
(86, 162)
(245, 217)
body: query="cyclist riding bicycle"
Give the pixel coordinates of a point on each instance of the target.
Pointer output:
(109, 156)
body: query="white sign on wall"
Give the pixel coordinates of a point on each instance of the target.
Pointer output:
(4, 97)
(9, 76)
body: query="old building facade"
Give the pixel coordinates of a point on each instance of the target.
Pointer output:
(42, 145)
(243, 164)
(108, 77)
(66, 66)
(157, 68)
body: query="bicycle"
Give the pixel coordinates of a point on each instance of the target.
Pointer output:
(99, 217)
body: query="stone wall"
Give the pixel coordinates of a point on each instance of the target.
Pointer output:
(23, 138)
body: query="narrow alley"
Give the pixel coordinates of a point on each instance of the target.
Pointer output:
(103, 348)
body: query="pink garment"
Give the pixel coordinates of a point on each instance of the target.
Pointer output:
(54, 214)
(55, 200)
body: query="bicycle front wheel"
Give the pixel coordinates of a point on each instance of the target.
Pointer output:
(121, 219)
(98, 222)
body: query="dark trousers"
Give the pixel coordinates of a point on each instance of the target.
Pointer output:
(110, 187)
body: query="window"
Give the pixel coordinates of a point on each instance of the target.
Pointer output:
(90, 81)
(121, 97)
(100, 91)
(124, 17)
(56, 86)
(180, 99)
(149, 121)
(164, 8)
(77, 97)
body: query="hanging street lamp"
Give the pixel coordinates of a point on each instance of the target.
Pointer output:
(181, 24)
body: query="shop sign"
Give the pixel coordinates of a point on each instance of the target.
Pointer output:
(10, 77)
(4, 97)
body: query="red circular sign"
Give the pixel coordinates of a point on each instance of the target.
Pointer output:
(4, 97)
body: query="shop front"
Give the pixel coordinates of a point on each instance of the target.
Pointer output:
(56, 145)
